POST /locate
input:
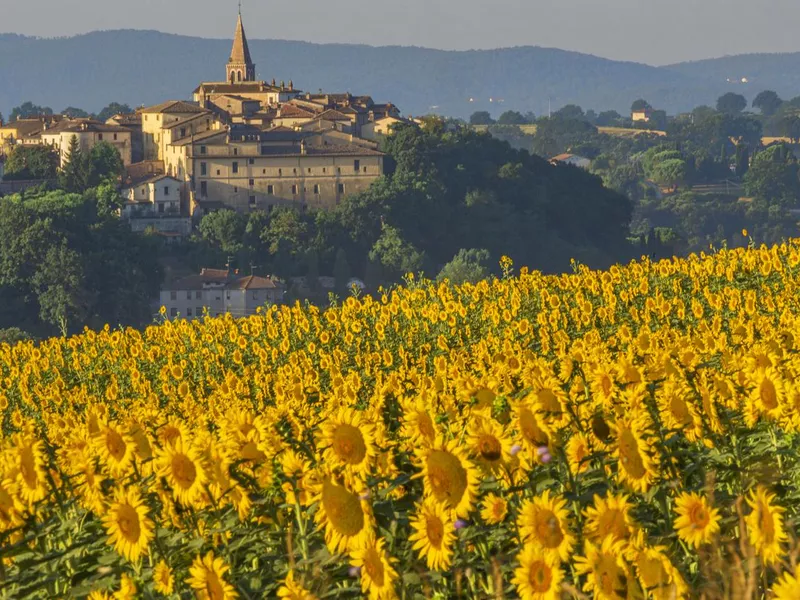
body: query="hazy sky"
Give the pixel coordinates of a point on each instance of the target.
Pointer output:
(651, 31)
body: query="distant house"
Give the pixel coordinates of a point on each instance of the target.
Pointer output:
(154, 202)
(643, 115)
(572, 159)
(219, 291)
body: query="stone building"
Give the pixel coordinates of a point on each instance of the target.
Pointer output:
(88, 133)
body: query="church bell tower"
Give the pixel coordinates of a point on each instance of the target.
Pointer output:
(240, 66)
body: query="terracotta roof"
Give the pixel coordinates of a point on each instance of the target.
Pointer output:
(294, 112)
(240, 53)
(185, 120)
(127, 119)
(199, 137)
(224, 87)
(174, 106)
(252, 282)
(334, 115)
(146, 180)
(93, 126)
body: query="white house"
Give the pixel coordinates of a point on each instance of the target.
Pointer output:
(219, 291)
(155, 203)
(572, 159)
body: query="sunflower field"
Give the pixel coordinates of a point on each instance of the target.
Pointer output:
(630, 433)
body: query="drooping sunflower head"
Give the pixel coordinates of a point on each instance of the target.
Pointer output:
(128, 526)
(433, 534)
(765, 527)
(182, 465)
(450, 478)
(610, 516)
(345, 514)
(377, 574)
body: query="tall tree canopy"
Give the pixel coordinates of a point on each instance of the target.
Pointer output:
(27, 110)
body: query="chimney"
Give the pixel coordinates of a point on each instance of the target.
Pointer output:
(291, 85)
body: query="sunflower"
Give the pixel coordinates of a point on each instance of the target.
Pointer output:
(768, 397)
(292, 589)
(163, 579)
(207, 578)
(10, 506)
(605, 569)
(544, 521)
(488, 444)
(449, 477)
(494, 509)
(635, 465)
(610, 516)
(787, 587)
(419, 425)
(29, 466)
(129, 529)
(658, 576)
(765, 525)
(348, 442)
(538, 576)
(344, 514)
(697, 523)
(377, 574)
(127, 588)
(115, 447)
(180, 463)
(433, 534)
(578, 452)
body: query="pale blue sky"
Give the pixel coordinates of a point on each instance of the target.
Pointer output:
(652, 31)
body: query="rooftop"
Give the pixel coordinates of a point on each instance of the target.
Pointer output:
(173, 107)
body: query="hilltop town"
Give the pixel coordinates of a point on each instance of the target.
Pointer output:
(239, 143)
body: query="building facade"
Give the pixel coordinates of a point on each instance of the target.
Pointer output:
(89, 133)
(218, 291)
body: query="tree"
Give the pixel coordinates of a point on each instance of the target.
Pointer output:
(341, 272)
(75, 113)
(31, 162)
(670, 172)
(608, 118)
(59, 285)
(13, 335)
(731, 103)
(224, 229)
(569, 112)
(768, 102)
(481, 117)
(76, 172)
(742, 159)
(640, 105)
(115, 108)
(511, 117)
(468, 266)
(27, 110)
(773, 177)
(395, 254)
(106, 163)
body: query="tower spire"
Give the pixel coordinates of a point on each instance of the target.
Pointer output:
(240, 66)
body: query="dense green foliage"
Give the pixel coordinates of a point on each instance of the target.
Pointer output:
(64, 264)
(31, 162)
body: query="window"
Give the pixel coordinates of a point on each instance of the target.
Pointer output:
(203, 169)
(235, 190)
(166, 190)
(316, 188)
(145, 117)
(309, 170)
(173, 295)
(339, 170)
(100, 136)
(324, 170)
(144, 191)
(217, 172)
(280, 172)
(198, 294)
(183, 132)
(294, 171)
(115, 136)
(173, 312)
(365, 169)
(161, 207)
(199, 311)
(270, 190)
(356, 165)
(255, 295)
(188, 295)
(228, 294)
(203, 189)
(252, 201)
(251, 161)
(294, 190)
(202, 149)
(252, 182)
(235, 167)
(341, 188)
(236, 151)
(188, 312)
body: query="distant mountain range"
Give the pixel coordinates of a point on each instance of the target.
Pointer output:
(146, 67)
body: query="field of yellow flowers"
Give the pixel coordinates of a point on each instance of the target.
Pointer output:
(630, 433)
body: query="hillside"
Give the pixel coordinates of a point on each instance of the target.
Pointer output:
(145, 67)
